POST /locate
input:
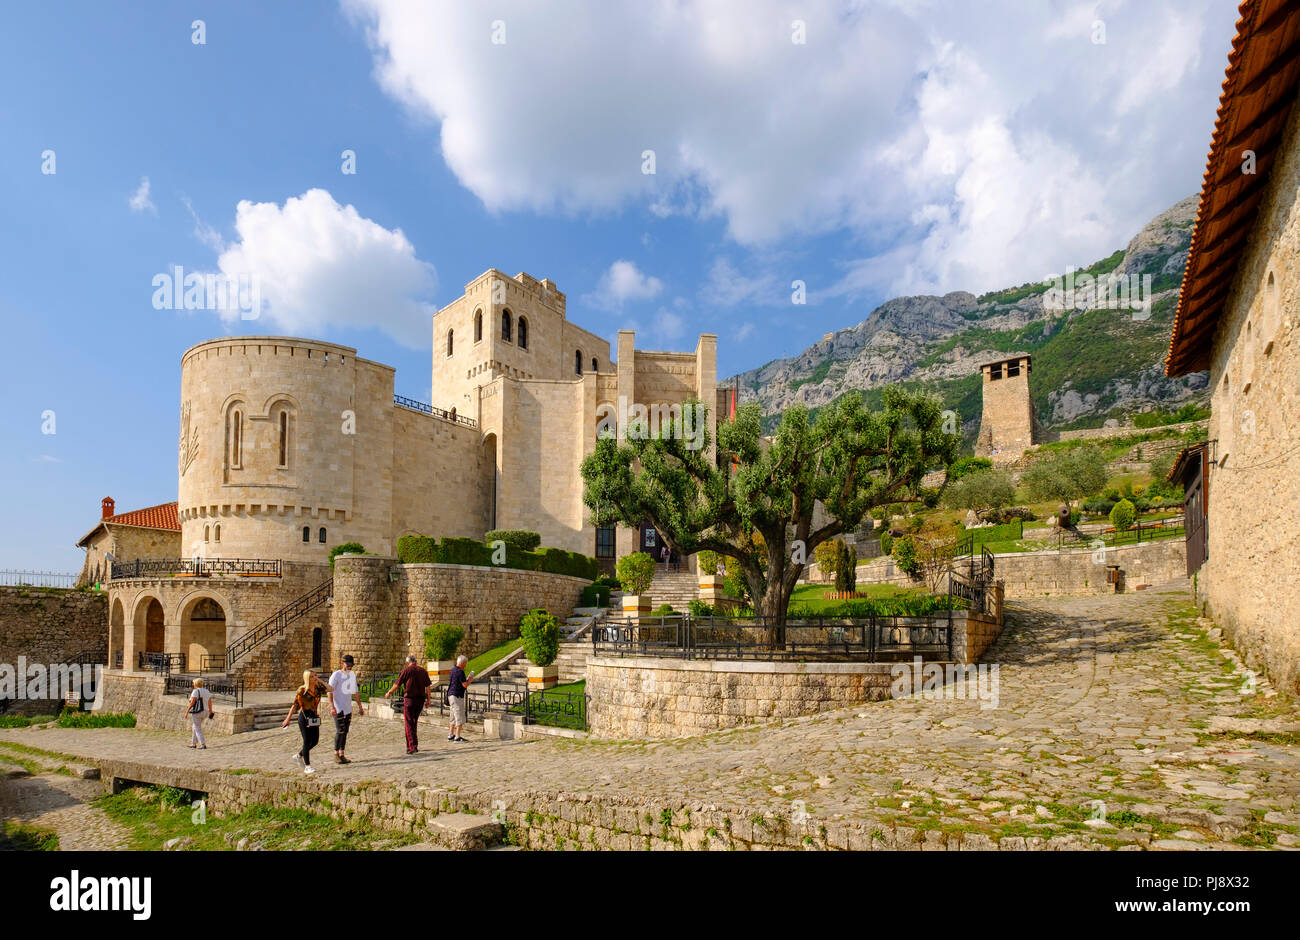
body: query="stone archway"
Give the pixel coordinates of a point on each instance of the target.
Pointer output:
(116, 633)
(203, 635)
(148, 629)
(488, 481)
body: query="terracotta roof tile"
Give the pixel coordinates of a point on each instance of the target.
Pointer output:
(1259, 88)
(154, 517)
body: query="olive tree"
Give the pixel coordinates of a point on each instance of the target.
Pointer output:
(755, 501)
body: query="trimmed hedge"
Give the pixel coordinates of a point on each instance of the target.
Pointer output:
(520, 538)
(540, 630)
(441, 640)
(423, 550)
(595, 595)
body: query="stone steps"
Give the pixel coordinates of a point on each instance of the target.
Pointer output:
(266, 717)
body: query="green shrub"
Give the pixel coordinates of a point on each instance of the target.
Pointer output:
(827, 556)
(846, 568)
(595, 595)
(522, 539)
(610, 581)
(541, 634)
(636, 571)
(664, 610)
(96, 720)
(347, 548)
(905, 556)
(965, 465)
(886, 542)
(707, 562)
(442, 640)
(454, 551)
(1122, 515)
(417, 550)
(698, 608)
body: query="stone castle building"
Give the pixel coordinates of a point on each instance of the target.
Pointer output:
(1008, 426)
(1237, 316)
(290, 447)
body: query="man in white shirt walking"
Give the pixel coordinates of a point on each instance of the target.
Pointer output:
(343, 689)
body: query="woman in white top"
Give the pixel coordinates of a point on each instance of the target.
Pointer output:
(199, 708)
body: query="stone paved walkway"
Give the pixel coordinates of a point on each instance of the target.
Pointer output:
(1121, 699)
(60, 803)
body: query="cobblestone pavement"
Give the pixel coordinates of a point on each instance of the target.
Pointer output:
(60, 803)
(1128, 700)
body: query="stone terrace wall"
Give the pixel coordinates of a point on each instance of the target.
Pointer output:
(380, 621)
(49, 626)
(141, 694)
(644, 697)
(545, 819)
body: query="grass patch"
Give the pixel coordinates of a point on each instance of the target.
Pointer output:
(96, 720)
(24, 721)
(155, 815)
(16, 837)
(553, 711)
(495, 654)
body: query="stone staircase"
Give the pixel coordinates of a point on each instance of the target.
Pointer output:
(677, 588)
(267, 717)
(575, 645)
(277, 647)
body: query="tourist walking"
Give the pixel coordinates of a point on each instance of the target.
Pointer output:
(306, 702)
(199, 708)
(343, 690)
(456, 683)
(416, 688)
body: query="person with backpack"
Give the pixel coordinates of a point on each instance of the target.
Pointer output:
(306, 702)
(198, 708)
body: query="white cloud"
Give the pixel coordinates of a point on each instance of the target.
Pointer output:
(743, 332)
(204, 232)
(139, 201)
(727, 286)
(46, 458)
(994, 140)
(621, 283)
(319, 265)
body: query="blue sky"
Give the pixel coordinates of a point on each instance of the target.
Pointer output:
(898, 148)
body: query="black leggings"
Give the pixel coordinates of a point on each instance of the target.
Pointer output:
(310, 736)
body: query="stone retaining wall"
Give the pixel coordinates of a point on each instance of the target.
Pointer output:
(141, 694)
(544, 819)
(381, 607)
(51, 626)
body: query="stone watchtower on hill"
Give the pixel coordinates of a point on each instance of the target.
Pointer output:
(1007, 425)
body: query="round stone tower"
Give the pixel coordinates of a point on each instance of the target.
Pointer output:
(274, 433)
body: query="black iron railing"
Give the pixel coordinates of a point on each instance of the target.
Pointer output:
(278, 622)
(227, 690)
(436, 412)
(15, 578)
(196, 568)
(1111, 537)
(859, 639)
(557, 708)
(161, 663)
(213, 662)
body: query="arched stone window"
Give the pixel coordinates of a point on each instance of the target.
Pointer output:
(207, 533)
(595, 365)
(322, 535)
(577, 361)
(523, 333)
(478, 325)
(284, 438)
(1271, 322)
(306, 533)
(216, 533)
(506, 322)
(450, 341)
(236, 438)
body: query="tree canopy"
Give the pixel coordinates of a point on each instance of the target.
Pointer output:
(755, 502)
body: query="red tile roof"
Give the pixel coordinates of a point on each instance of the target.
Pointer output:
(155, 517)
(1259, 88)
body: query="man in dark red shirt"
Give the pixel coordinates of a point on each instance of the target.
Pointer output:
(414, 679)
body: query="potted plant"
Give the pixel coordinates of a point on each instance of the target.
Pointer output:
(635, 572)
(540, 631)
(440, 644)
(707, 562)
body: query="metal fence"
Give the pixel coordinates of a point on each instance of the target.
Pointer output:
(161, 663)
(436, 412)
(196, 568)
(1109, 536)
(828, 639)
(223, 689)
(485, 699)
(54, 579)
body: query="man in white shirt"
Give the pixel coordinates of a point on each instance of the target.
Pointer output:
(343, 689)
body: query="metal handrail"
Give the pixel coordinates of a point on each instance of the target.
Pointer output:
(195, 567)
(435, 412)
(278, 622)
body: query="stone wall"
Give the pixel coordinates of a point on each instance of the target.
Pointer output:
(379, 621)
(51, 626)
(556, 819)
(141, 694)
(643, 697)
(1250, 583)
